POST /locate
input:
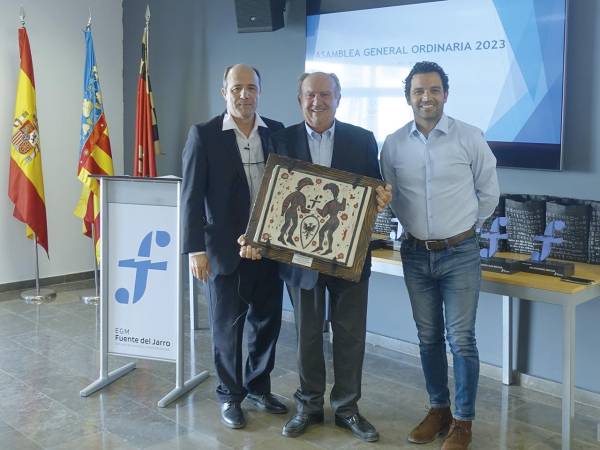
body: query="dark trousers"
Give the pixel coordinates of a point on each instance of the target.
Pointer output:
(250, 296)
(348, 322)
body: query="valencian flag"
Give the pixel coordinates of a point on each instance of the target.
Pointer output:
(95, 157)
(25, 179)
(146, 128)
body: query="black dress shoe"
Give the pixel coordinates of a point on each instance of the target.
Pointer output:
(298, 424)
(268, 403)
(360, 427)
(232, 415)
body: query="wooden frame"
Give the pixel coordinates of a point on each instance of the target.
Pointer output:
(314, 217)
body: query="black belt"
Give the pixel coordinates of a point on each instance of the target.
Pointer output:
(443, 244)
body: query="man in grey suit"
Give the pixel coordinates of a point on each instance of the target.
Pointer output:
(321, 139)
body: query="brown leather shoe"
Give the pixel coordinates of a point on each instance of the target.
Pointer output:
(435, 424)
(459, 436)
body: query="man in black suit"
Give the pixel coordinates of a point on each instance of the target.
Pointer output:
(223, 164)
(321, 139)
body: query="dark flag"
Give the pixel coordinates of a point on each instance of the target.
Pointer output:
(146, 128)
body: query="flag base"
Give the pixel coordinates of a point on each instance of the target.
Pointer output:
(38, 296)
(90, 298)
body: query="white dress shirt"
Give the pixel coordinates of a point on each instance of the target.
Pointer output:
(444, 184)
(251, 152)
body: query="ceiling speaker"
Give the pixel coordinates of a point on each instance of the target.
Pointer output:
(259, 15)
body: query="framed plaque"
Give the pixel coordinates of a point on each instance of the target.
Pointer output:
(314, 216)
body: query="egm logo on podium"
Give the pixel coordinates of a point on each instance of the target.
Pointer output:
(142, 281)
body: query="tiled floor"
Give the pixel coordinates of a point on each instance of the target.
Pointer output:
(48, 355)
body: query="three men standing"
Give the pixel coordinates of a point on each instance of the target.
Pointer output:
(444, 181)
(223, 164)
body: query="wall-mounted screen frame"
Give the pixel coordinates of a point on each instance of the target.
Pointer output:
(505, 60)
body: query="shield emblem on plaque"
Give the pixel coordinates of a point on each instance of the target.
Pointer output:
(309, 227)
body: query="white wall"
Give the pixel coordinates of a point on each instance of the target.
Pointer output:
(58, 51)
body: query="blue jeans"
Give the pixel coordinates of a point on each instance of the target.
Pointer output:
(445, 284)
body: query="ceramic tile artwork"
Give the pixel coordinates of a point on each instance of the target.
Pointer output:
(313, 215)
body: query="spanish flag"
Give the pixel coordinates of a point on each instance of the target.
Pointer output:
(95, 157)
(25, 179)
(146, 128)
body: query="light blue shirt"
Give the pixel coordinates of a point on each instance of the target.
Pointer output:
(321, 145)
(444, 184)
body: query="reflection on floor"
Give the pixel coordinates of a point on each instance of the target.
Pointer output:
(48, 354)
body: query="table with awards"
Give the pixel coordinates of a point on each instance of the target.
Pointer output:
(533, 287)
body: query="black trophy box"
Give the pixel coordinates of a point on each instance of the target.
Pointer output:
(500, 265)
(552, 268)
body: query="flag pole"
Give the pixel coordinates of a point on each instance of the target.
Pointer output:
(38, 295)
(147, 37)
(94, 298)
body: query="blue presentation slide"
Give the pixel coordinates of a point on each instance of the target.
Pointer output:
(504, 58)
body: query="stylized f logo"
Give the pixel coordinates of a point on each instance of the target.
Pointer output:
(494, 236)
(547, 240)
(142, 267)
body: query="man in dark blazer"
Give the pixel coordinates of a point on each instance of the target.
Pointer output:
(223, 163)
(323, 140)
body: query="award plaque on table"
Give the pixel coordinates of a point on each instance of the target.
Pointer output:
(314, 216)
(385, 231)
(538, 262)
(494, 236)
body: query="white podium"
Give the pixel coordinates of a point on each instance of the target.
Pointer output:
(141, 297)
